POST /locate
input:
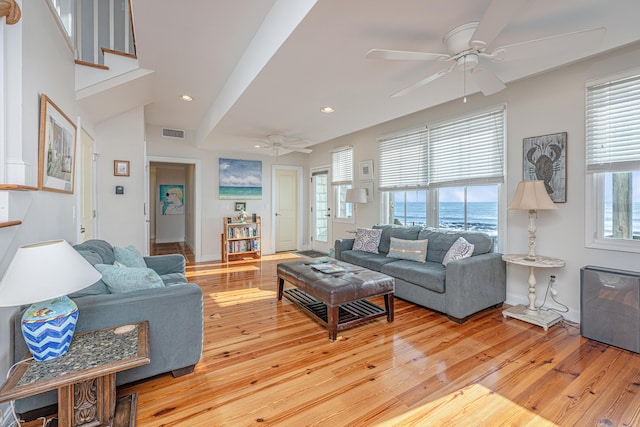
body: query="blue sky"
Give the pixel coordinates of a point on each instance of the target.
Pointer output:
(240, 173)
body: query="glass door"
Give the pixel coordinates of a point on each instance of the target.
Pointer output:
(320, 211)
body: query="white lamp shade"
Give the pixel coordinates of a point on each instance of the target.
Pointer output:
(531, 195)
(46, 270)
(356, 195)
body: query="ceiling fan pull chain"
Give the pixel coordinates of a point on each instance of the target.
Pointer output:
(464, 79)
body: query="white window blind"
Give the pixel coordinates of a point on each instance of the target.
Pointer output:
(468, 151)
(613, 126)
(342, 166)
(403, 162)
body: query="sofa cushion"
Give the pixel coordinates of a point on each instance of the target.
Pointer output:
(129, 256)
(429, 275)
(99, 248)
(412, 250)
(366, 259)
(121, 280)
(441, 240)
(367, 240)
(459, 250)
(397, 231)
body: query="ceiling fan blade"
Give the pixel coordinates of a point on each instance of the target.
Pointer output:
(495, 18)
(299, 150)
(424, 81)
(547, 46)
(486, 80)
(405, 55)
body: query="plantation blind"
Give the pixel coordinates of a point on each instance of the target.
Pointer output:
(613, 126)
(342, 166)
(467, 151)
(403, 161)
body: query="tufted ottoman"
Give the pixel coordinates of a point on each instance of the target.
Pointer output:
(338, 300)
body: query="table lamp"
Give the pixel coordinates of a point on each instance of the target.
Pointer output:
(531, 196)
(43, 274)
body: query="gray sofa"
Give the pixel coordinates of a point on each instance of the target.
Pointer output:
(174, 312)
(459, 290)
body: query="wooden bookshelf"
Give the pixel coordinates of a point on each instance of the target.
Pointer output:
(241, 239)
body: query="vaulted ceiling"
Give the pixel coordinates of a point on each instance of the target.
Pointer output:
(263, 67)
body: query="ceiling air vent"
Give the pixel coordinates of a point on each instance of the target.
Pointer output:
(173, 133)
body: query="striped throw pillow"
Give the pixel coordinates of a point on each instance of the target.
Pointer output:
(412, 250)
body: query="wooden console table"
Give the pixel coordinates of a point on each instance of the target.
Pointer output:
(530, 313)
(86, 376)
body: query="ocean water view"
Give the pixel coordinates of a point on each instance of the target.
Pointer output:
(483, 216)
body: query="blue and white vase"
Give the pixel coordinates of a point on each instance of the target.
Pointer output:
(48, 327)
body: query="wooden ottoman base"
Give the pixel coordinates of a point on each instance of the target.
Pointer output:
(338, 301)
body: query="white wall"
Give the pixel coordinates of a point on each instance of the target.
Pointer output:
(45, 64)
(120, 217)
(212, 208)
(549, 103)
(170, 228)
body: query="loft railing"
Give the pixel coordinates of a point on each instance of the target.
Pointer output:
(93, 25)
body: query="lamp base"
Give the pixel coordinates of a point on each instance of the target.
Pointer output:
(48, 327)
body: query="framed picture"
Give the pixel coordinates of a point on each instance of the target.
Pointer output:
(366, 170)
(121, 167)
(172, 199)
(56, 162)
(545, 159)
(368, 187)
(241, 206)
(240, 179)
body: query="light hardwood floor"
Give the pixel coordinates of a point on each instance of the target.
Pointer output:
(265, 363)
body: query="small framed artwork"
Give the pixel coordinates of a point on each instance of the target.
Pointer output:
(121, 167)
(56, 162)
(366, 170)
(368, 187)
(241, 206)
(545, 159)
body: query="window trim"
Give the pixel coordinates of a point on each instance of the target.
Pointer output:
(594, 186)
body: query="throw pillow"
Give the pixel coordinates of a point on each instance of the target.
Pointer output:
(412, 250)
(459, 250)
(367, 240)
(129, 256)
(120, 280)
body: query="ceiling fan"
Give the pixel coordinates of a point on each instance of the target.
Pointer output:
(277, 143)
(467, 48)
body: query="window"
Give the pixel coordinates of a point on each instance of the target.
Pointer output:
(342, 180)
(613, 163)
(446, 175)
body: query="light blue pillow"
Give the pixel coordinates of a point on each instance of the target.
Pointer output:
(412, 250)
(129, 256)
(120, 280)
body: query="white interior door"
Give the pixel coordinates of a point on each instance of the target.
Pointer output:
(320, 211)
(87, 206)
(286, 210)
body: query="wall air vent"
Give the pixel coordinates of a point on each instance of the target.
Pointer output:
(173, 133)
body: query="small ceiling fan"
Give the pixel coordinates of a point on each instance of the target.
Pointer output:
(277, 143)
(467, 48)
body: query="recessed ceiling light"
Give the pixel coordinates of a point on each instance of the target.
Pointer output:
(327, 109)
(257, 146)
(186, 98)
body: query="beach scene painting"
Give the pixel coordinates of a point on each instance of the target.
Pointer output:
(240, 179)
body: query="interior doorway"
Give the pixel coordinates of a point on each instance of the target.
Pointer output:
(287, 197)
(87, 187)
(174, 202)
